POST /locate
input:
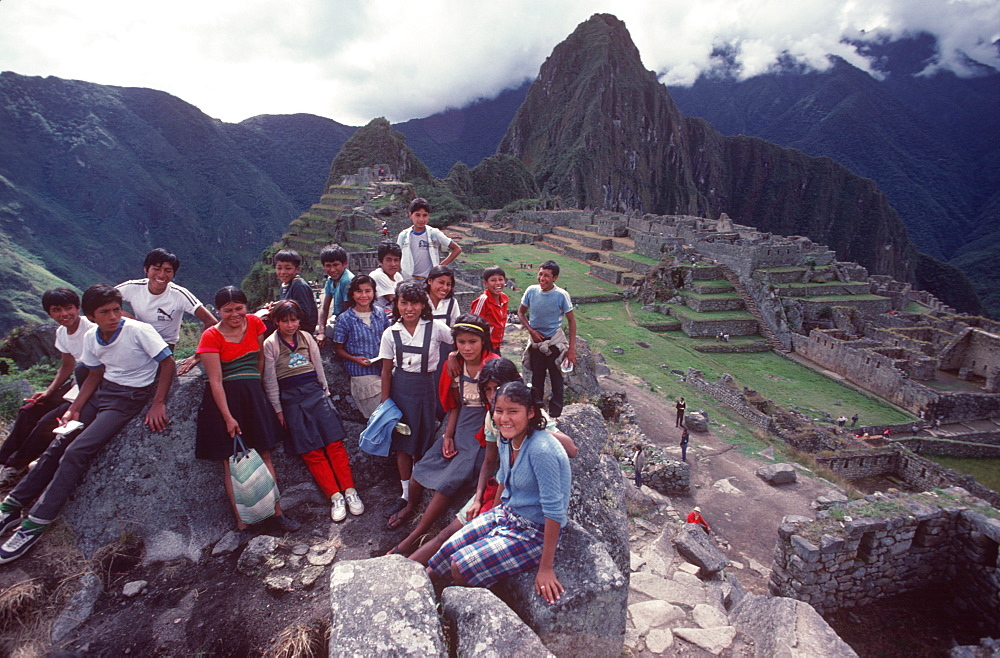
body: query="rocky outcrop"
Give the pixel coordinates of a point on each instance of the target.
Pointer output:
(383, 606)
(600, 131)
(483, 625)
(785, 627)
(777, 473)
(694, 544)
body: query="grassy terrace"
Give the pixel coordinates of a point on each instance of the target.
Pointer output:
(639, 258)
(714, 283)
(842, 298)
(784, 268)
(822, 284)
(731, 294)
(685, 312)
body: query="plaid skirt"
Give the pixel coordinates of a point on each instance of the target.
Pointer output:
(492, 546)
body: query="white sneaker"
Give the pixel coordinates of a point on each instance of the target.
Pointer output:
(339, 510)
(354, 502)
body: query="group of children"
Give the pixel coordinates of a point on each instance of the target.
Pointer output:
(399, 334)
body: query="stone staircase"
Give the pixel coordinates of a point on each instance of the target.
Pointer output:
(751, 307)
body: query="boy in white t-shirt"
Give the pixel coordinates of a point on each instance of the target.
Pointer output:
(386, 276)
(421, 244)
(129, 365)
(31, 432)
(158, 301)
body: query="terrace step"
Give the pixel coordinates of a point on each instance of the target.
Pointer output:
(751, 307)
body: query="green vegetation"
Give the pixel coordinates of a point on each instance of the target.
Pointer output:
(986, 471)
(691, 314)
(842, 298)
(39, 376)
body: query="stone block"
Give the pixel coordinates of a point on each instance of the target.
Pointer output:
(483, 625)
(776, 474)
(383, 606)
(694, 544)
(589, 619)
(696, 422)
(805, 549)
(781, 626)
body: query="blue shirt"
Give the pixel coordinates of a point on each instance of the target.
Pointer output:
(546, 308)
(337, 291)
(538, 485)
(361, 340)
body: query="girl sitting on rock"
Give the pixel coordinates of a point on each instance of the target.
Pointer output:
(534, 489)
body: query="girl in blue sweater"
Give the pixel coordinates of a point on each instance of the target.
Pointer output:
(523, 530)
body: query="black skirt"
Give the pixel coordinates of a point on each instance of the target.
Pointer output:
(311, 420)
(251, 409)
(414, 393)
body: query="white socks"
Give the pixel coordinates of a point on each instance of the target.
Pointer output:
(406, 489)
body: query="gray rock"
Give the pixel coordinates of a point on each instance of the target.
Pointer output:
(300, 549)
(279, 583)
(659, 640)
(660, 588)
(708, 616)
(310, 575)
(696, 421)
(321, 555)
(777, 473)
(783, 626)
(483, 625)
(694, 544)
(258, 553)
(828, 499)
(714, 640)
(134, 588)
(383, 606)
(653, 614)
(79, 608)
(583, 380)
(589, 619)
(229, 543)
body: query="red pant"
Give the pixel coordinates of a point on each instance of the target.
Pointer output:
(330, 466)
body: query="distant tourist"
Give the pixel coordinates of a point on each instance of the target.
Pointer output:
(696, 517)
(492, 305)
(638, 464)
(854, 420)
(297, 389)
(681, 407)
(685, 440)
(842, 421)
(338, 279)
(547, 304)
(130, 365)
(31, 432)
(386, 276)
(421, 244)
(158, 301)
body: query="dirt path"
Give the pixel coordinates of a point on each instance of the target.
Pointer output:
(742, 509)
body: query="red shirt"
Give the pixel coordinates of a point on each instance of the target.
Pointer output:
(695, 517)
(488, 309)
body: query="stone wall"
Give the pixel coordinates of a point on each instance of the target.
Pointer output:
(727, 394)
(977, 446)
(890, 545)
(628, 263)
(713, 327)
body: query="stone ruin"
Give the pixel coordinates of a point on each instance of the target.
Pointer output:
(866, 550)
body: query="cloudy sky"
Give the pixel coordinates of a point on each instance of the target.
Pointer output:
(352, 60)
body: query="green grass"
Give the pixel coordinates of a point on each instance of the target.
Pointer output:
(916, 307)
(685, 312)
(639, 258)
(841, 298)
(714, 283)
(783, 268)
(711, 295)
(819, 284)
(574, 276)
(789, 384)
(986, 471)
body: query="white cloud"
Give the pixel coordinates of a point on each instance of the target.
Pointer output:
(352, 60)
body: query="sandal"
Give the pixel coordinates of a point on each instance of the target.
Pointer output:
(395, 551)
(399, 519)
(395, 507)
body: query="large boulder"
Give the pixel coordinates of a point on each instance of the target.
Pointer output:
(483, 625)
(150, 484)
(383, 607)
(781, 626)
(696, 421)
(589, 619)
(697, 548)
(777, 473)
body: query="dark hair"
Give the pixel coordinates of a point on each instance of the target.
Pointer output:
(550, 265)
(520, 394)
(288, 256)
(418, 204)
(97, 296)
(333, 253)
(59, 297)
(229, 294)
(493, 271)
(500, 371)
(159, 256)
(439, 271)
(412, 291)
(469, 323)
(353, 286)
(388, 248)
(284, 310)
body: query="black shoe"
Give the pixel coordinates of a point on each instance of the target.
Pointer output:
(9, 520)
(395, 507)
(284, 524)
